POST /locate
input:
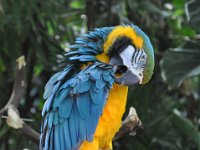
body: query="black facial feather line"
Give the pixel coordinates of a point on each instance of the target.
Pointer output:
(119, 45)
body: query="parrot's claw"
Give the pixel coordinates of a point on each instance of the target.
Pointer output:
(129, 125)
(132, 122)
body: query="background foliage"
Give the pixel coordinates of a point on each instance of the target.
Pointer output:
(43, 30)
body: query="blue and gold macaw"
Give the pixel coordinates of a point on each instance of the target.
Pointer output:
(86, 100)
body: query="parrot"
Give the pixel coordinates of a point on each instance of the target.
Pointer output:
(86, 100)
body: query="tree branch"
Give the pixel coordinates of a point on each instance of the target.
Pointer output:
(129, 125)
(19, 86)
(30, 133)
(13, 119)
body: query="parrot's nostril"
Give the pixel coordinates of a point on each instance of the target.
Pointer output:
(121, 69)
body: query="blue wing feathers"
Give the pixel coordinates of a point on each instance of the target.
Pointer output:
(67, 134)
(96, 95)
(47, 139)
(55, 118)
(61, 119)
(60, 96)
(83, 58)
(51, 141)
(65, 107)
(83, 76)
(85, 86)
(52, 87)
(50, 117)
(48, 91)
(49, 86)
(73, 107)
(83, 105)
(100, 84)
(61, 137)
(56, 138)
(73, 126)
(55, 88)
(82, 130)
(75, 46)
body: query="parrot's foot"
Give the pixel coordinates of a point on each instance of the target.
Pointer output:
(129, 125)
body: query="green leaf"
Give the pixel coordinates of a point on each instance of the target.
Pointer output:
(186, 127)
(178, 3)
(50, 29)
(193, 13)
(76, 5)
(181, 63)
(38, 69)
(188, 31)
(178, 12)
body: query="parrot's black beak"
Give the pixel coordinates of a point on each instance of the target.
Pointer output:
(125, 76)
(126, 73)
(128, 78)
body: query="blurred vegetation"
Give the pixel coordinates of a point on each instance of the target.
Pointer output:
(169, 106)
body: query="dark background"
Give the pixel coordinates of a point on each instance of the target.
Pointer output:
(168, 106)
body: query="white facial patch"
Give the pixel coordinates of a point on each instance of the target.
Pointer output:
(134, 60)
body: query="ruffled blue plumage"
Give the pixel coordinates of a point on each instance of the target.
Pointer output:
(73, 106)
(87, 47)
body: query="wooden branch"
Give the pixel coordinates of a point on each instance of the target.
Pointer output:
(13, 119)
(30, 133)
(19, 86)
(129, 125)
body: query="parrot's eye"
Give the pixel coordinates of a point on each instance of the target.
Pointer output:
(142, 60)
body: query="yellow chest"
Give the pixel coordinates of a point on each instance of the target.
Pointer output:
(110, 121)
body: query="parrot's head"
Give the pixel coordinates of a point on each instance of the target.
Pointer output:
(128, 49)
(125, 47)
